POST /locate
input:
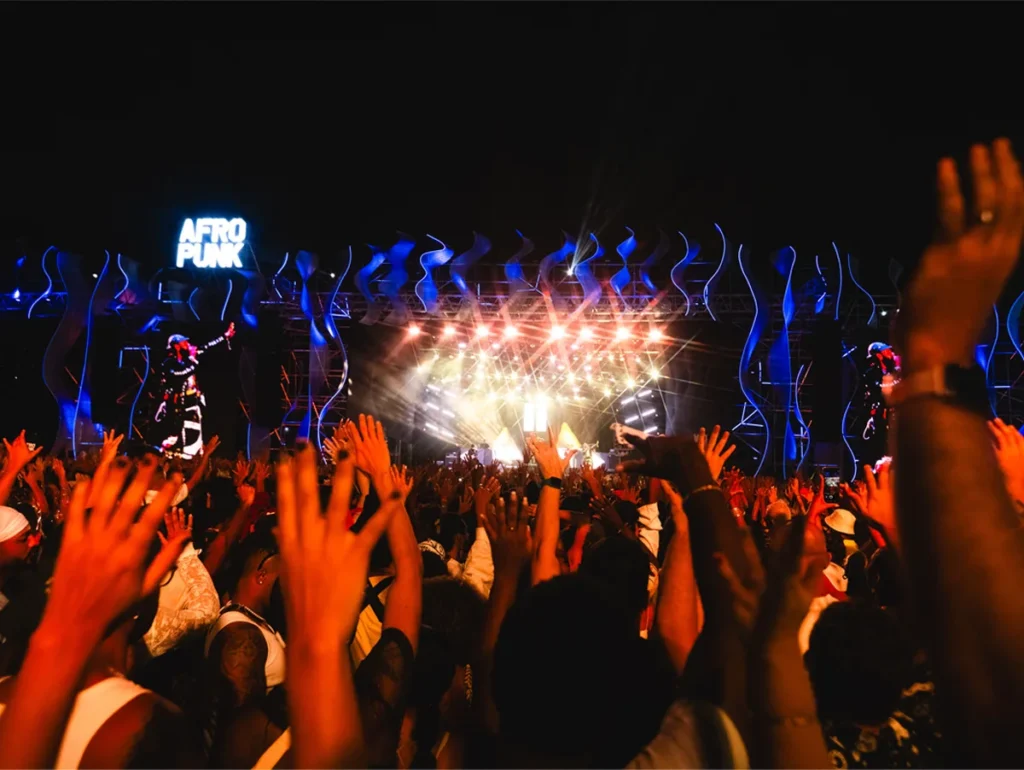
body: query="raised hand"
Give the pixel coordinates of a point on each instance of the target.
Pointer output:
(445, 490)
(1009, 448)
(18, 453)
(325, 564)
(57, 465)
(950, 298)
(486, 492)
(715, 449)
(211, 446)
(178, 526)
(401, 481)
(510, 536)
(260, 471)
(103, 567)
(240, 472)
(111, 443)
(876, 501)
(590, 478)
(333, 446)
(370, 447)
(546, 454)
(466, 501)
(247, 495)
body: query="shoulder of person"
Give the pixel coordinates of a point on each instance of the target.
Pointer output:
(148, 731)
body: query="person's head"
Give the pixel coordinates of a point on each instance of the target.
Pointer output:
(455, 610)
(779, 512)
(835, 545)
(260, 570)
(859, 661)
(624, 566)
(179, 346)
(532, 492)
(14, 537)
(571, 676)
(451, 533)
(434, 565)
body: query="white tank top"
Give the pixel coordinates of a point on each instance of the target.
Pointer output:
(93, 707)
(274, 668)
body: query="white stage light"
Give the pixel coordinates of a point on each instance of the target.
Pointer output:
(586, 333)
(482, 331)
(414, 330)
(622, 333)
(655, 335)
(504, 449)
(510, 332)
(654, 374)
(557, 332)
(449, 330)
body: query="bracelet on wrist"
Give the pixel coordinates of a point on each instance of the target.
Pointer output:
(699, 490)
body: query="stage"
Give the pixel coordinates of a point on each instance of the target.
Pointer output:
(460, 351)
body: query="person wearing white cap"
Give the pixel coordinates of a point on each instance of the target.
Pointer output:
(22, 592)
(14, 541)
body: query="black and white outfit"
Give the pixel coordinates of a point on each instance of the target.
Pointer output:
(178, 422)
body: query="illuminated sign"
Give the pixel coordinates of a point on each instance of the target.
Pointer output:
(211, 242)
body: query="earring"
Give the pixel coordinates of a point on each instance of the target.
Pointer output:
(259, 580)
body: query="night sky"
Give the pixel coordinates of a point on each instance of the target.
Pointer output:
(331, 124)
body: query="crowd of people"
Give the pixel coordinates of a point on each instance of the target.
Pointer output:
(339, 610)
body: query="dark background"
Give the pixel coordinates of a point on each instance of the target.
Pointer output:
(339, 123)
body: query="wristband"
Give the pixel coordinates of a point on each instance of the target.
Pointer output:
(553, 481)
(698, 490)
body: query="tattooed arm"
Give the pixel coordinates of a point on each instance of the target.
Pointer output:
(239, 652)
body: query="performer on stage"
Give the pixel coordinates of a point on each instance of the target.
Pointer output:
(882, 365)
(178, 423)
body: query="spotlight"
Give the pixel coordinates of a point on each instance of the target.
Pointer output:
(414, 330)
(511, 331)
(586, 333)
(449, 330)
(630, 383)
(883, 313)
(654, 374)
(557, 332)
(333, 276)
(482, 331)
(655, 335)
(622, 333)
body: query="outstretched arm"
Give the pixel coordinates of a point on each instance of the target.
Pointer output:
(959, 532)
(225, 337)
